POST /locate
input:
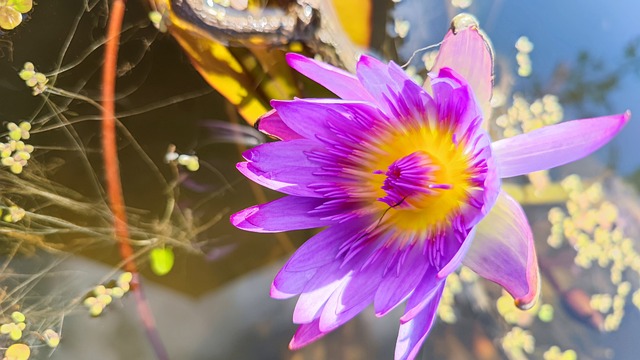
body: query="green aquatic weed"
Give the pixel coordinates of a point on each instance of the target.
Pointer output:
(14, 330)
(34, 79)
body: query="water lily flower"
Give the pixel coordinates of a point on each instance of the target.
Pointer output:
(405, 182)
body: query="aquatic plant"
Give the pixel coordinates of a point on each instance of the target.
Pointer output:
(407, 183)
(11, 12)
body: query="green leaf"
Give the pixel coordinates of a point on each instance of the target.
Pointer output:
(161, 260)
(23, 6)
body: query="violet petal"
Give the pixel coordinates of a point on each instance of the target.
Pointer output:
(271, 124)
(338, 81)
(469, 54)
(413, 332)
(306, 334)
(267, 218)
(503, 251)
(555, 145)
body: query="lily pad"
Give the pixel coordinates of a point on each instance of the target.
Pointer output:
(9, 18)
(17, 352)
(23, 6)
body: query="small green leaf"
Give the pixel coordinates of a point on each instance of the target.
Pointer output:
(161, 260)
(23, 6)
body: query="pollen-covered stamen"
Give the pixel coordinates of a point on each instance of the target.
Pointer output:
(409, 179)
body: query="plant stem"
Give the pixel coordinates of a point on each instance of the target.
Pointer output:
(112, 174)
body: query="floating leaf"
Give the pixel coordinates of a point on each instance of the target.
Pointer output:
(161, 260)
(9, 18)
(23, 6)
(15, 334)
(17, 316)
(17, 352)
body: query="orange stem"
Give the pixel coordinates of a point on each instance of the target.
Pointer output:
(110, 152)
(112, 173)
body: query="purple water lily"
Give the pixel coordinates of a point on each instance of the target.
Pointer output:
(406, 182)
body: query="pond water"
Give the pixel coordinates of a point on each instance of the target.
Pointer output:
(214, 303)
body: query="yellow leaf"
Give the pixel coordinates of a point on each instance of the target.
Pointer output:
(9, 18)
(247, 79)
(17, 352)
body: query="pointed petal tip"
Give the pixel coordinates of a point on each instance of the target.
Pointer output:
(527, 301)
(274, 293)
(294, 345)
(241, 216)
(369, 61)
(306, 334)
(523, 305)
(336, 80)
(292, 58)
(242, 220)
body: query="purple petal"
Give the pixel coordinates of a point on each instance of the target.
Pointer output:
(306, 334)
(456, 104)
(338, 81)
(330, 319)
(284, 214)
(313, 118)
(395, 93)
(289, 284)
(413, 332)
(282, 153)
(555, 145)
(271, 124)
(469, 54)
(316, 252)
(397, 285)
(457, 257)
(422, 295)
(283, 166)
(358, 289)
(293, 180)
(503, 251)
(318, 290)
